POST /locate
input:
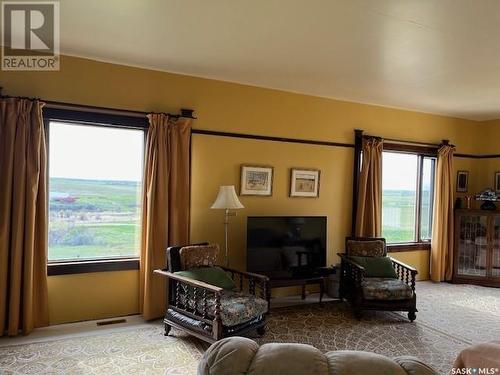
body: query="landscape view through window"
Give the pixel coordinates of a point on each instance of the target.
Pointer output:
(95, 175)
(399, 197)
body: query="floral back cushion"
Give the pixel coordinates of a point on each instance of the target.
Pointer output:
(198, 256)
(375, 248)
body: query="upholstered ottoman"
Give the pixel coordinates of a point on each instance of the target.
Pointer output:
(239, 356)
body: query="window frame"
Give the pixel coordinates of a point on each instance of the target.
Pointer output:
(65, 267)
(421, 152)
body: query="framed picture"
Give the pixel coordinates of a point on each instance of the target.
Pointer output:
(256, 180)
(497, 182)
(462, 181)
(304, 183)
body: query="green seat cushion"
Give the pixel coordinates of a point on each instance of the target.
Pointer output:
(210, 275)
(376, 266)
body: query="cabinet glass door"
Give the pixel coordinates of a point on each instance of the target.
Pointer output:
(495, 256)
(473, 245)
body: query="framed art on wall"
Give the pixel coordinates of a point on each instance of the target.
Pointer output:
(462, 181)
(304, 183)
(497, 182)
(256, 180)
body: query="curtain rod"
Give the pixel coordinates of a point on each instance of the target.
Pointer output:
(404, 142)
(401, 142)
(187, 113)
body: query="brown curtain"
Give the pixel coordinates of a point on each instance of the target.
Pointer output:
(442, 224)
(23, 217)
(165, 204)
(369, 210)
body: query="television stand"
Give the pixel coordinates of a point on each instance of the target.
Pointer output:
(303, 282)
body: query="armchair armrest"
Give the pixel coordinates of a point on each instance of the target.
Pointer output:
(253, 280)
(192, 282)
(405, 272)
(351, 270)
(195, 299)
(404, 265)
(248, 274)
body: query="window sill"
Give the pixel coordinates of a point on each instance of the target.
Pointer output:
(69, 268)
(409, 246)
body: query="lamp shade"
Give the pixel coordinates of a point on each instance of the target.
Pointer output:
(227, 198)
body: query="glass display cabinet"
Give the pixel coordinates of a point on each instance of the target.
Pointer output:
(477, 247)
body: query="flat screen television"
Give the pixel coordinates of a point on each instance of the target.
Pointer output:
(286, 247)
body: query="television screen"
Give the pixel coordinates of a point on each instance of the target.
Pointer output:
(286, 247)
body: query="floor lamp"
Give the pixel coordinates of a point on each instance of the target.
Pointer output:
(227, 200)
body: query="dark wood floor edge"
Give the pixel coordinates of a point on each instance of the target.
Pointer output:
(271, 138)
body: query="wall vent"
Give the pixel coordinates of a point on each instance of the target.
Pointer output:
(114, 321)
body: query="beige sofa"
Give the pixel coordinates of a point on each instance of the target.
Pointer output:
(238, 355)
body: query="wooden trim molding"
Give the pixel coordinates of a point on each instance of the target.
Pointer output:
(471, 156)
(411, 246)
(106, 265)
(270, 138)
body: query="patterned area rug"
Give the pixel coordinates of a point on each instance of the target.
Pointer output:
(468, 312)
(450, 318)
(134, 351)
(333, 327)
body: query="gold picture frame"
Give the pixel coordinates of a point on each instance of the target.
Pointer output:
(497, 182)
(304, 183)
(256, 180)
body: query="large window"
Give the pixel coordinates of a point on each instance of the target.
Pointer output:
(95, 176)
(407, 196)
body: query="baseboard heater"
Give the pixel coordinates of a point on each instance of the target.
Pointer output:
(113, 321)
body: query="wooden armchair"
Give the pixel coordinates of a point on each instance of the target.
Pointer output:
(371, 293)
(208, 311)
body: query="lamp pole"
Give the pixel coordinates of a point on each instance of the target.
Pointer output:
(226, 224)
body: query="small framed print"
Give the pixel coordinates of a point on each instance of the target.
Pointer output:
(462, 181)
(256, 180)
(304, 183)
(497, 182)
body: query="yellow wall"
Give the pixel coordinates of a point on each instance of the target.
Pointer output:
(236, 108)
(90, 296)
(217, 161)
(417, 259)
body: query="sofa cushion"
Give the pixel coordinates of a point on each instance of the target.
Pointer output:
(376, 266)
(297, 359)
(229, 356)
(414, 366)
(198, 256)
(371, 248)
(236, 307)
(210, 275)
(379, 288)
(347, 362)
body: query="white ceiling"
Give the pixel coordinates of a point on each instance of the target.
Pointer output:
(438, 56)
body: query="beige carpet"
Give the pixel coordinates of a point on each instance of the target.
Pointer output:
(450, 318)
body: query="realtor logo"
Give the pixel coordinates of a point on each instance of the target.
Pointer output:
(30, 35)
